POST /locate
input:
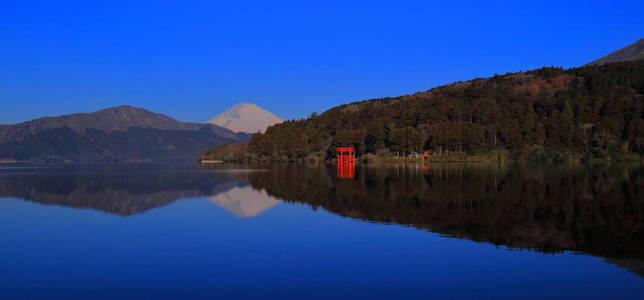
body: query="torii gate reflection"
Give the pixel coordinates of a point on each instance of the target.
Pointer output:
(346, 160)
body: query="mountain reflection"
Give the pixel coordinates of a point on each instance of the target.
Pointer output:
(244, 202)
(595, 210)
(128, 191)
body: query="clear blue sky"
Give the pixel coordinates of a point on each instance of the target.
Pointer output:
(193, 59)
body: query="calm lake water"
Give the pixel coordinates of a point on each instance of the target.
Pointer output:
(292, 231)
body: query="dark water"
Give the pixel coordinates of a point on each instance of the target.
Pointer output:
(289, 231)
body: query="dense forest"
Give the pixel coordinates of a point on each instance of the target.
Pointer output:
(545, 114)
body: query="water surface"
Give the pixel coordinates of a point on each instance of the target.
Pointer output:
(449, 231)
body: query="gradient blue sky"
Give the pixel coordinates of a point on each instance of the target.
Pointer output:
(193, 59)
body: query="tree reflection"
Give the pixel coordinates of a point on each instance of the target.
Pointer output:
(597, 210)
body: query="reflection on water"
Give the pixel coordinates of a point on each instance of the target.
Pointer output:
(123, 191)
(244, 202)
(635, 266)
(115, 190)
(346, 169)
(596, 210)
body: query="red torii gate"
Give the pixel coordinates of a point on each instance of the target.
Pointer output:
(346, 154)
(346, 162)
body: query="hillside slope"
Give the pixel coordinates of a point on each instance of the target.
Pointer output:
(631, 52)
(119, 133)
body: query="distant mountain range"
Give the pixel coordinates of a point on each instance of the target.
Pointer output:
(122, 133)
(246, 117)
(631, 52)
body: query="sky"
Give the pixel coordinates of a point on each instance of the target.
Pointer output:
(193, 59)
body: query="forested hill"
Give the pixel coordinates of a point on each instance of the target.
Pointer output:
(590, 111)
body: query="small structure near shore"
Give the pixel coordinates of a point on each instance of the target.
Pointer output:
(346, 154)
(346, 159)
(211, 161)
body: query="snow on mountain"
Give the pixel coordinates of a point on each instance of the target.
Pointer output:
(246, 117)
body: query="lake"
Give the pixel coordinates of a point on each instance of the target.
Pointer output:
(296, 231)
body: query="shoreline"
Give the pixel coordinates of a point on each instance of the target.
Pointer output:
(211, 161)
(435, 159)
(14, 161)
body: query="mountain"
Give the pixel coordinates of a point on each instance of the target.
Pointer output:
(246, 117)
(548, 114)
(119, 133)
(632, 52)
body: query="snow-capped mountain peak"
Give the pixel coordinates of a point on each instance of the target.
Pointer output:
(246, 117)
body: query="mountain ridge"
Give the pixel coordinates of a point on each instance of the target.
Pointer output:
(633, 51)
(117, 133)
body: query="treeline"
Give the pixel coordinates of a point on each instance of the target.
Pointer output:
(545, 114)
